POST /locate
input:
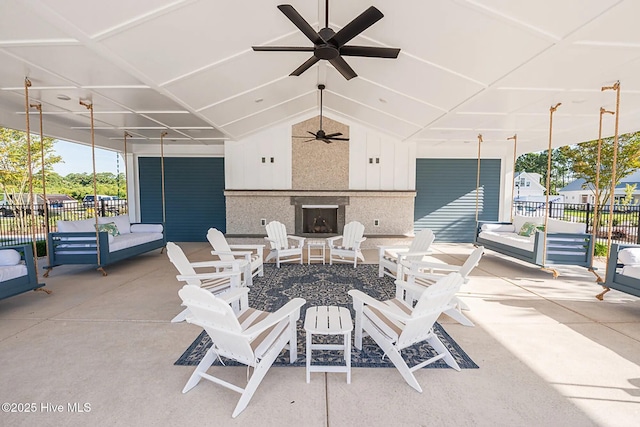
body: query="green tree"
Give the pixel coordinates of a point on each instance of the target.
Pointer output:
(561, 167)
(584, 157)
(628, 194)
(14, 161)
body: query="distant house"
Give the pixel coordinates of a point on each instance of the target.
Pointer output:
(54, 199)
(527, 186)
(577, 192)
(58, 200)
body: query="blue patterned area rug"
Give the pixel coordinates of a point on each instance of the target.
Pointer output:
(328, 285)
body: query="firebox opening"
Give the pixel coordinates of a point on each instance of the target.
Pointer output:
(320, 219)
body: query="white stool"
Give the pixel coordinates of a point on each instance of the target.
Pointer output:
(329, 320)
(315, 245)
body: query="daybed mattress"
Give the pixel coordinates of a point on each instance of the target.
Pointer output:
(8, 272)
(631, 271)
(509, 239)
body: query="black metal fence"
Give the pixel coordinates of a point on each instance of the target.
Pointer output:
(625, 220)
(18, 223)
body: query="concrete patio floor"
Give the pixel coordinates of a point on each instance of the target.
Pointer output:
(549, 354)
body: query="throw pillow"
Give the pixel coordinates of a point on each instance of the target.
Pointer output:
(527, 229)
(109, 227)
(9, 257)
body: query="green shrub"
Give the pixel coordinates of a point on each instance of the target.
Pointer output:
(41, 247)
(601, 249)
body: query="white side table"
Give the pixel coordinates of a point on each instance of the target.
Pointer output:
(328, 320)
(318, 245)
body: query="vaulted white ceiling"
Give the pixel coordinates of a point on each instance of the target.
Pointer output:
(186, 67)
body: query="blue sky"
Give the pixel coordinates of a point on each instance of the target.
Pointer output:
(77, 159)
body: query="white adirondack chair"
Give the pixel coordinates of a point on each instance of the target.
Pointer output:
(252, 337)
(220, 277)
(394, 325)
(423, 274)
(284, 247)
(250, 256)
(391, 257)
(349, 247)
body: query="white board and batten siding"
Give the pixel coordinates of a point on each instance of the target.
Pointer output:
(380, 162)
(244, 166)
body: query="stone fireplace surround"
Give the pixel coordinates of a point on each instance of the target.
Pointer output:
(247, 210)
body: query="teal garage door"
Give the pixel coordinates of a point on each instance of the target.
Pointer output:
(194, 195)
(446, 196)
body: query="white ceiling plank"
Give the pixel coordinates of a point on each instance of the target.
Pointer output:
(465, 66)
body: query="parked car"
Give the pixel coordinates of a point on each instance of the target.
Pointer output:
(4, 211)
(87, 201)
(113, 204)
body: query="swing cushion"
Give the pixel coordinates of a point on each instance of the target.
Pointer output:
(110, 228)
(559, 226)
(77, 226)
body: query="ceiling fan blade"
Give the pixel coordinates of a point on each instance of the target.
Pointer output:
(333, 135)
(305, 66)
(355, 27)
(343, 68)
(327, 141)
(339, 139)
(301, 23)
(309, 140)
(282, 49)
(370, 51)
(314, 135)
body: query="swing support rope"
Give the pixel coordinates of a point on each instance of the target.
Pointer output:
(513, 183)
(478, 181)
(596, 212)
(27, 85)
(45, 199)
(89, 106)
(548, 190)
(164, 213)
(126, 169)
(614, 166)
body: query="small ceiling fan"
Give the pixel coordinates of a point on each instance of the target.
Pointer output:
(321, 135)
(329, 45)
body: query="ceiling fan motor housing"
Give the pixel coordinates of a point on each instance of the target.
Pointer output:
(326, 50)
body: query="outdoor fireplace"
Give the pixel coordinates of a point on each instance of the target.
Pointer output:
(319, 215)
(320, 219)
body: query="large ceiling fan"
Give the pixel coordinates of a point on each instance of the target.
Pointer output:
(329, 45)
(321, 135)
